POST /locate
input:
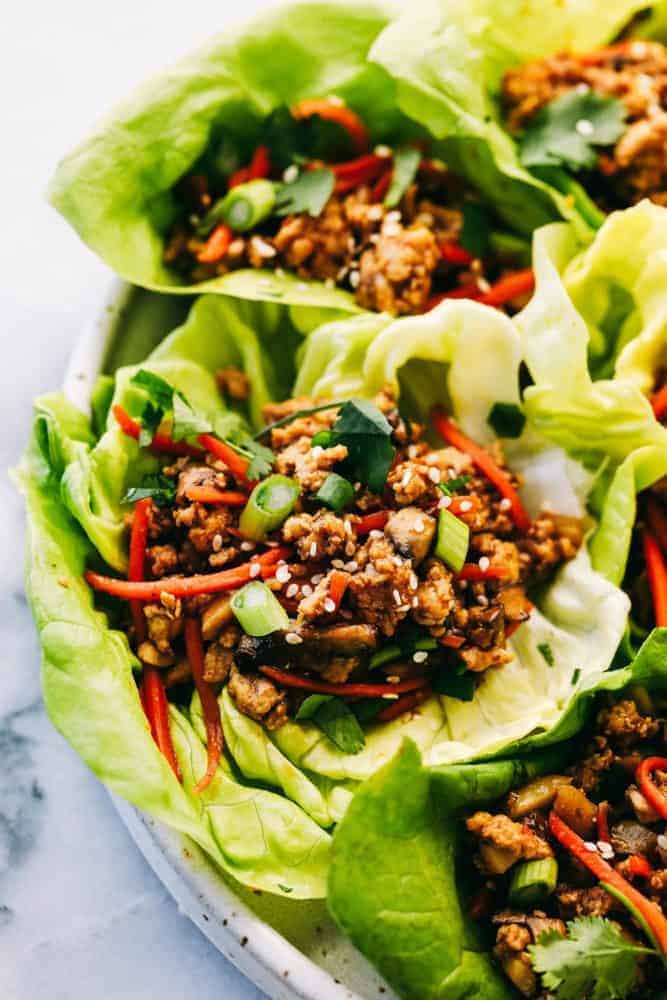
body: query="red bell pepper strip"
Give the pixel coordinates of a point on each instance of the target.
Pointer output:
(382, 185)
(404, 704)
(237, 464)
(353, 173)
(656, 569)
(455, 506)
(659, 402)
(209, 494)
(638, 866)
(452, 641)
(653, 795)
(337, 586)
(240, 176)
(372, 522)
(162, 444)
(481, 458)
(154, 700)
(470, 290)
(194, 649)
(454, 253)
(602, 823)
(216, 245)
(260, 164)
(648, 911)
(344, 690)
(188, 586)
(657, 522)
(335, 111)
(508, 288)
(473, 571)
(137, 561)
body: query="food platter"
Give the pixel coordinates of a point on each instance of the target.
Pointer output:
(286, 948)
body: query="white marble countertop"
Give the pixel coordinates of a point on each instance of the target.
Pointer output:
(81, 915)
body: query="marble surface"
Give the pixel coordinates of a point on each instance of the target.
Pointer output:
(81, 915)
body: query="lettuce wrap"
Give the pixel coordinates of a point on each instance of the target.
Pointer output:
(398, 875)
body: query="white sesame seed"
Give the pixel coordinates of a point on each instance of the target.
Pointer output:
(329, 605)
(357, 487)
(263, 248)
(313, 550)
(255, 570)
(414, 582)
(420, 656)
(375, 534)
(465, 506)
(283, 574)
(348, 527)
(403, 608)
(605, 848)
(382, 150)
(505, 503)
(407, 476)
(355, 278)
(397, 561)
(291, 173)
(584, 127)
(337, 563)
(590, 846)
(306, 590)
(247, 546)
(445, 503)
(293, 639)
(484, 563)
(419, 526)
(352, 566)
(432, 459)
(389, 697)
(350, 548)
(412, 451)
(329, 283)
(316, 451)
(292, 590)
(393, 679)
(316, 579)
(394, 216)
(415, 602)
(482, 600)
(397, 596)
(662, 841)
(216, 543)
(375, 213)
(434, 474)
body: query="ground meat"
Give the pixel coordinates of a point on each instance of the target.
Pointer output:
(624, 725)
(548, 544)
(504, 842)
(396, 271)
(316, 247)
(198, 475)
(163, 625)
(499, 553)
(485, 627)
(435, 597)
(218, 662)
(209, 528)
(588, 771)
(593, 902)
(162, 560)
(636, 73)
(479, 660)
(317, 605)
(510, 950)
(339, 668)
(258, 698)
(411, 482)
(657, 884)
(383, 591)
(233, 382)
(310, 466)
(318, 535)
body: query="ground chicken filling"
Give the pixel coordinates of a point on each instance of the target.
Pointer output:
(635, 72)
(602, 799)
(356, 583)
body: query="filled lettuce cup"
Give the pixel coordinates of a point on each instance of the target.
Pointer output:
(274, 164)
(249, 595)
(537, 876)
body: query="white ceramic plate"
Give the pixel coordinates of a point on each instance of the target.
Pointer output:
(287, 948)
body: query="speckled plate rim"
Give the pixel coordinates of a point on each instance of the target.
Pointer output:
(260, 952)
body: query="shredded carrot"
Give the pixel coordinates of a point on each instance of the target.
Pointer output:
(454, 253)
(656, 569)
(237, 464)
(404, 704)
(452, 641)
(344, 690)
(508, 288)
(154, 700)
(209, 494)
(194, 649)
(372, 522)
(657, 522)
(216, 245)
(473, 571)
(240, 176)
(337, 586)
(162, 444)
(189, 586)
(260, 164)
(481, 458)
(659, 402)
(363, 170)
(382, 185)
(335, 111)
(137, 561)
(638, 866)
(644, 777)
(602, 822)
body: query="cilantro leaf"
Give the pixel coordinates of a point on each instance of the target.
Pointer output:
(594, 961)
(187, 423)
(476, 229)
(406, 162)
(261, 457)
(336, 720)
(308, 193)
(159, 488)
(452, 486)
(366, 433)
(158, 390)
(566, 131)
(151, 418)
(507, 420)
(291, 139)
(455, 681)
(547, 653)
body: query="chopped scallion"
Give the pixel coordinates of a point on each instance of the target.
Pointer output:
(242, 208)
(257, 610)
(533, 881)
(269, 504)
(547, 652)
(335, 492)
(453, 540)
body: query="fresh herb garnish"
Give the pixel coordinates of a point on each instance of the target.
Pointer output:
(456, 681)
(507, 420)
(595, 960)
(575, 676)
(367, 708)
(159, 488)
(261, 458)
(406, 163)
(336, 720)
(297, 140)
(308, 193)
(545, 649)
(452, 486)
(187, 423)
(159, 391)
(476, 229)
(366, 433)
(285, 888)
(567, 130)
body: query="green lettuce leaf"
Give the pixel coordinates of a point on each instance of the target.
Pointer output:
(448, 60)
(116, 188)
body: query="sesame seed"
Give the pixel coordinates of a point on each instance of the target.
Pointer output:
(352, 566)
(419, 526)
(505, 503)
(355, 278)
(420, 656)
(316, 579)
(316, 451)
(313, 549)
(407, 476)
(584, 127)
(337, 563)
(263, 248)
(397, 561)
(662, 841)
(255, 570)
(393, 679)
(605, 848)
(348, 527)
(329, 605)
(357, 487)
(412, 451)
(590, 846)
(350, 548)
(465, 506)
(292, 590)
(293, 639)
(445, 503)
(247, 546)
(389, 697)
(283, 574)
(403, 608)
(394, 216)
(434, 474)
(291, 173)
(484, 563)
(382, 150)
(414, 582)
(306, 590)
(415, 602)
(216, 543)
(375, 534)
(397, 596)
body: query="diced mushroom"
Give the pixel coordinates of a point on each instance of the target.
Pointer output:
(178, 674)
(343, 640)
(629, 837)
(148, 653)
(537, 794)
(411, 532)
(218, 614)
(538, 924)
(642, 810)
(576, 809)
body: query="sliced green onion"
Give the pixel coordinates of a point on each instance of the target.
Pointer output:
(335, 492)
(453, 540)
(394, 652)
(242, 208)
(269, 504)
(258, 610)
(533, 881)
(323, 438)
